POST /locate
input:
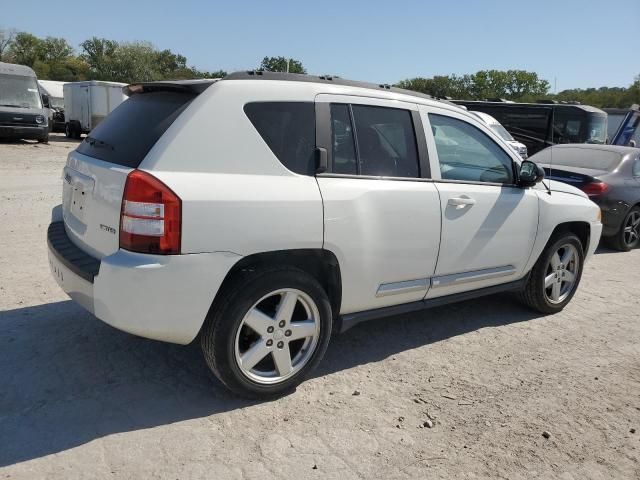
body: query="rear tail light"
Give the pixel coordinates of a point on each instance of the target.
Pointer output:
(594, 189)
(151, 216)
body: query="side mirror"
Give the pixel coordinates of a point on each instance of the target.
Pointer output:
(530, 174)
(45, 101)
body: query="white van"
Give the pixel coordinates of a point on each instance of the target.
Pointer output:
(23, 107)
(54, 89)
(264, 211)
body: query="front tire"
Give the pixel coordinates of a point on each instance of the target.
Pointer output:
(556, 275)
(628, 237)
(268, 329)
(77, 130)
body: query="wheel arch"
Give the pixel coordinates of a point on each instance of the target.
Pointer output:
(580, 229)
(322, 264)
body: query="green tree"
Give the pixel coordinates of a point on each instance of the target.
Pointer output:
(99, 53)
(53, 50)
(205, 74)
(510, 84)
(25, 49)
(279, 64)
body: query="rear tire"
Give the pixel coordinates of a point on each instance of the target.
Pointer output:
(68, 132)
(628, 237)
(556, 275)
(267, 330)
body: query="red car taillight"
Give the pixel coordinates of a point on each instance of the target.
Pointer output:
(150, 217)
(594, 189)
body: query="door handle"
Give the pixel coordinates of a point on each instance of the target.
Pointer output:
(461, 202)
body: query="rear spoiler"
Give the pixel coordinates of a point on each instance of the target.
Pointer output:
(184, 86)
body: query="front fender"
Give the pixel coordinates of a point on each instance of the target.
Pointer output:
(560, 208)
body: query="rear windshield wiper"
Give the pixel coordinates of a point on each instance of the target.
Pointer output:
(94, 142)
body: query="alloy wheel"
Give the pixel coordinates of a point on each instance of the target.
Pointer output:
(561, 274)
(278, 336)
(631, 232)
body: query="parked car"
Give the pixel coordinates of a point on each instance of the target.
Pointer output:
(23, 111)
(496, 126)
(54, 90)
(265, 211)
(610, 175)
(88, 103)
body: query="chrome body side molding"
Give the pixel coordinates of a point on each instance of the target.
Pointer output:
(395, 288)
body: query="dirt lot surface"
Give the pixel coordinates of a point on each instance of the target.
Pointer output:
(79, 399)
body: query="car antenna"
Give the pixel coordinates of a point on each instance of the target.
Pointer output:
(551, 151)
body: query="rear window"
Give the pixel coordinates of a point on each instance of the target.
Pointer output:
(581, 157)
(128, 133)
(288, 128)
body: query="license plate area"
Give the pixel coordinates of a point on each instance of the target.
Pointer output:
(78, 202)
(76, 191)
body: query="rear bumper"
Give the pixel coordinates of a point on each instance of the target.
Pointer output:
(29, 132)
(163, 297)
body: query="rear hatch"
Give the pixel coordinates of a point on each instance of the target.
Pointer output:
(95, 174)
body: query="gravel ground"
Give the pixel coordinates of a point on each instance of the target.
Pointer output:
(464, 391)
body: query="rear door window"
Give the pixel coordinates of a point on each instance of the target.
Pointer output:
(289, 129)
(373, 141)
(386, 141)
(132, 129)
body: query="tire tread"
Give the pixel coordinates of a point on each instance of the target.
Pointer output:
(229, 294)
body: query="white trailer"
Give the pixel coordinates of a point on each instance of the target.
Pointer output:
(88, 103)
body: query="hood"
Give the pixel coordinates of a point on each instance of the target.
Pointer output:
(17, 111)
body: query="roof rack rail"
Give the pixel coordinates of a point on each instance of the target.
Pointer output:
(333, 79)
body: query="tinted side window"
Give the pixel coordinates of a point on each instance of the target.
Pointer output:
(466, 153)
(288, 128)
(386, 142)
(344, 152)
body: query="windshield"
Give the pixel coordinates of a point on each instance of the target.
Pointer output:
(500, 130)
(597, 131)
(629, 134)
(56, 102)
(19, 91)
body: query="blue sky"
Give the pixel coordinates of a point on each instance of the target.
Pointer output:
(581, 43)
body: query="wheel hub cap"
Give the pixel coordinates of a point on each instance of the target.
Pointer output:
(562, 271)
(277, 336)
(632, 229)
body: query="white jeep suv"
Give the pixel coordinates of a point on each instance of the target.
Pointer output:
(264, 211)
